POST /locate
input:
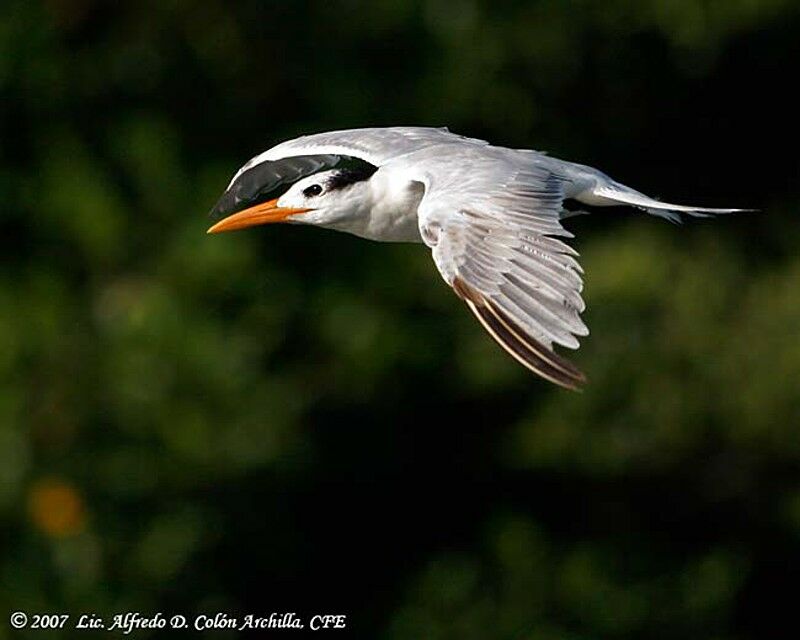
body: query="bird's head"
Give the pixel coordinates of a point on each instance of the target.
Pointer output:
(321, 199)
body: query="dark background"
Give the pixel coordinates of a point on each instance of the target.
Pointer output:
(290, 419)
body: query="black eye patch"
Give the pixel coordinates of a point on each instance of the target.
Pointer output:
(350, 175)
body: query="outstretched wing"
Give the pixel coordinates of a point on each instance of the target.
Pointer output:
(491, 218)
(374, 145)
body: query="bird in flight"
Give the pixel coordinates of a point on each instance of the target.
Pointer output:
(491, 217)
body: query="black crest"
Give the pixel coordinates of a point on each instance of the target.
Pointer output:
(269, 179)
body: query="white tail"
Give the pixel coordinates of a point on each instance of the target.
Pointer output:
(593, 187)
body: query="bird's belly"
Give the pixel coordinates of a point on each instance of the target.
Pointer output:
(402, 227)
(384, 224)
(393, 215)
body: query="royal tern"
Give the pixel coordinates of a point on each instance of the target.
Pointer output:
(490, 215)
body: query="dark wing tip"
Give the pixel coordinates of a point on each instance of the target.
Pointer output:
(519, 344)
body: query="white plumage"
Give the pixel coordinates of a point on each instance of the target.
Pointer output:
(490, 215)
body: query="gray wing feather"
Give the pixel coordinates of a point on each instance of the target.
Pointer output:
(491, 218)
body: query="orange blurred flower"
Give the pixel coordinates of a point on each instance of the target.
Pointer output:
(56, 507)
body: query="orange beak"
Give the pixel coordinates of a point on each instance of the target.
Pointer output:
(263, 213)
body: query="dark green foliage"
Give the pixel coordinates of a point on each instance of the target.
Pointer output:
(187, 419)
